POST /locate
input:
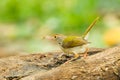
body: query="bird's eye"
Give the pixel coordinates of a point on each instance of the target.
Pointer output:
(55, 36)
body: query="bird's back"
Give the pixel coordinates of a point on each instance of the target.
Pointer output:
(73, 41)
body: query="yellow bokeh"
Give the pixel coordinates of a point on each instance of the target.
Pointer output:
(112, 36)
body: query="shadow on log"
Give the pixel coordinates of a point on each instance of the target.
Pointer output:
(101, 64)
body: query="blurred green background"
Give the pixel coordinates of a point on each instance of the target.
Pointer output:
(24, 23)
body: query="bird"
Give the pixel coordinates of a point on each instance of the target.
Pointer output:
(74, 44)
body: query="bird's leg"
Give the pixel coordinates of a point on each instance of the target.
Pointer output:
(62, 54)
(76, 56)
(86, 53)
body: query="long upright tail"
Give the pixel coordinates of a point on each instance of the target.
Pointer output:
(89, 28)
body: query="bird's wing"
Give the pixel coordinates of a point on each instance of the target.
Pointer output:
(73, 41)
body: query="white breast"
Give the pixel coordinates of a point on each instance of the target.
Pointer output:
(76, 50)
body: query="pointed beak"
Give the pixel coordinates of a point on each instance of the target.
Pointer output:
(49, 37)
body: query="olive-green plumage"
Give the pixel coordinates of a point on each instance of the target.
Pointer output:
(73, 41)
(73, 44)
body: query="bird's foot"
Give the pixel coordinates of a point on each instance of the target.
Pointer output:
(76, 56)
(86, 53)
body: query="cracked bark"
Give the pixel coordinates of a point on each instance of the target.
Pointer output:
(101, 64)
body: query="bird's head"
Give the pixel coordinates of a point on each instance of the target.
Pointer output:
(59, 38)
(56, 37)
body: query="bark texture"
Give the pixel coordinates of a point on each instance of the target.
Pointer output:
(101, 64)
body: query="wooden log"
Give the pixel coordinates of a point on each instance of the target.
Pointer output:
(102, 65)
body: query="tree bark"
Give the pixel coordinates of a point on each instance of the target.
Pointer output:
(101, 64)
